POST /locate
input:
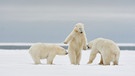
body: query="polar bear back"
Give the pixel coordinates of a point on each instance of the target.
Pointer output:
(105, 45)
(42, 49)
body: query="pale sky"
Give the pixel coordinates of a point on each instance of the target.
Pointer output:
(52, 20)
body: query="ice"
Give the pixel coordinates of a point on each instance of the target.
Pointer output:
(19, 63)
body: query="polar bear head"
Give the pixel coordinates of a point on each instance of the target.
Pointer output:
(79, 27)
(90, 44)
(61, 51)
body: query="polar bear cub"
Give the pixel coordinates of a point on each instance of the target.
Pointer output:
(45, 51)
(108, 49)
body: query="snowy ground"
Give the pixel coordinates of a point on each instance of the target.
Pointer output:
(19, 63)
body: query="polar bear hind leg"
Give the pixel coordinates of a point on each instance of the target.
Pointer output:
(106, 60)
(115, 62)
(72, 57)
(78, 58)
(36, 60)
(101, 60)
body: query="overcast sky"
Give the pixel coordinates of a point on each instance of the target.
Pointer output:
(52, 20)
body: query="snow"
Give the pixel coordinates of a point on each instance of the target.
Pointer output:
(19, 63)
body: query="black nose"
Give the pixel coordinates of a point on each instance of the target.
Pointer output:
(66, 53)
(81, 32)
(88, 47)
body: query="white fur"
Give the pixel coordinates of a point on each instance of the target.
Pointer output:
(107, 48)
(77, 41)
(45, 51)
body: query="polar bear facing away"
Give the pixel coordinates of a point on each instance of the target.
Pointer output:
(45, 51)
(77, 41)
(108, 49)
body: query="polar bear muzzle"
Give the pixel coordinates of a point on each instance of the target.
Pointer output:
(66, 53)
(88, 47)
(80, 30)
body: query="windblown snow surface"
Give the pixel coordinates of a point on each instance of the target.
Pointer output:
(20, 63)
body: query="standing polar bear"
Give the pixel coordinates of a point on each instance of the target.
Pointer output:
(108, 49)
(45, 51)
(77, 41)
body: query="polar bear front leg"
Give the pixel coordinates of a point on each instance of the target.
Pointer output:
(92, 55)
(70, 37)
(50, 59)
(85, 43)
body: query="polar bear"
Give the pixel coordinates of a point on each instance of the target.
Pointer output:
(45, 51)
(77, 41)
(108, 49)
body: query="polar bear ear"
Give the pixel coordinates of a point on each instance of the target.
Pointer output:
(75, 29)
